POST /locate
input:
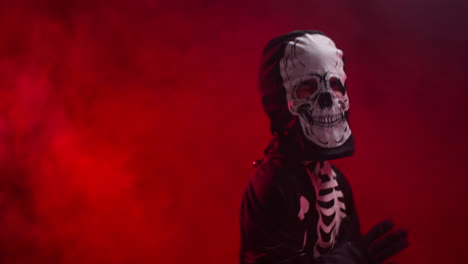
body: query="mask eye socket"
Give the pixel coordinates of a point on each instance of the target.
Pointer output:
(307, 88)
(337, 86)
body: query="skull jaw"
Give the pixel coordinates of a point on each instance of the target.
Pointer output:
(326, 137)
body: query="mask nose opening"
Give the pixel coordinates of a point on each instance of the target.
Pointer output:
(325, 100)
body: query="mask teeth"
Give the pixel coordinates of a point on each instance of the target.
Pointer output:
(328, 120)
(323, 120)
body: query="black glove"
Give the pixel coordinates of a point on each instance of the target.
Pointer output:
(382, 243)
(379, 244)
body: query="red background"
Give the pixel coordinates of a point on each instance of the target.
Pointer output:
(127, 128)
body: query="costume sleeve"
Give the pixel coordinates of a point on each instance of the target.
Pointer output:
(267, 233)
(270, 232)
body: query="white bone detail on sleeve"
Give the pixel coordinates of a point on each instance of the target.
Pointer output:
(304, 207)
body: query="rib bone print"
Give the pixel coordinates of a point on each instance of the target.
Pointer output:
(329, 205)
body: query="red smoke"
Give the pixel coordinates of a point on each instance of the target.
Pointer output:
(127, 129)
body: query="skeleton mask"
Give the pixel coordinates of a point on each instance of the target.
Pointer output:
(313, 76)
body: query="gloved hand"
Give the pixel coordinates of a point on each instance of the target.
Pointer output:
(378, 244)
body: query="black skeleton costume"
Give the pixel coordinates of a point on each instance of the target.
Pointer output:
(298, 207)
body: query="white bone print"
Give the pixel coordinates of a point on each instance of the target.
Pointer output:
(304, 203)
(329, 205)
(303, 210)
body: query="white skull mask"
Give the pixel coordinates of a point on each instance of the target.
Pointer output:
(313, 76)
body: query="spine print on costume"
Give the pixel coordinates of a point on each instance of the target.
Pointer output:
(329, 205)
